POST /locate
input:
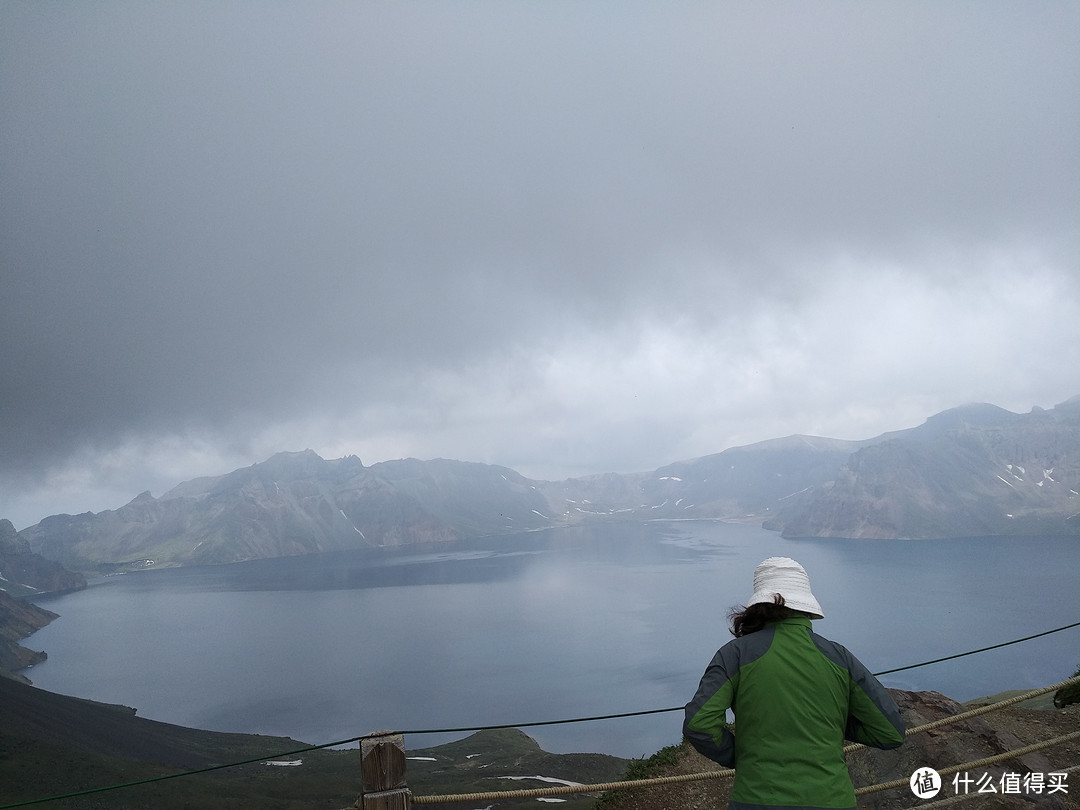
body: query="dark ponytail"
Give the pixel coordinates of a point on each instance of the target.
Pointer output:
(747, 620)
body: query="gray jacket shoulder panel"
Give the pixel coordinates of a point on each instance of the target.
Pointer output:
(870, 686)
(725, 665)
(729, 659)
(839, 655)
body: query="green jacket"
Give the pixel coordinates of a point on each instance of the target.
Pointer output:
(796, 696)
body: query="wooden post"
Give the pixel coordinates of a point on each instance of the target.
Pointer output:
(382, 773)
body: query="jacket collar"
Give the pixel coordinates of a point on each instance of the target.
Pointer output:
(801, 621)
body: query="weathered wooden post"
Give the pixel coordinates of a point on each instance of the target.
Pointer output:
(382, 773)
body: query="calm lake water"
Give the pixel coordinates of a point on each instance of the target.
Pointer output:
(543, 626)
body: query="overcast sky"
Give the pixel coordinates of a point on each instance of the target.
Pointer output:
(565, 237)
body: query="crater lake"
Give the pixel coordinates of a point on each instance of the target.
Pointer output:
(545, 626)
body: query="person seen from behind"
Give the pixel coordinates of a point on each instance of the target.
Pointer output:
(796, 697)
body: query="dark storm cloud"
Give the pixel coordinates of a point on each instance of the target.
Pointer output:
(642, 231)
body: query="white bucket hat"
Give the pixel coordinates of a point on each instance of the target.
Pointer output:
(784, 576)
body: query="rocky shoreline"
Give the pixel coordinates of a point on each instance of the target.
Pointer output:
(24, 574)
(19, 619)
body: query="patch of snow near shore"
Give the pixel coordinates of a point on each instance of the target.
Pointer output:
(544, 779)
(285, 763)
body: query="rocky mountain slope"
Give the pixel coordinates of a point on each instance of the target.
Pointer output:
(24, 573)
(971, 471)
(295, 503)
(19, 619)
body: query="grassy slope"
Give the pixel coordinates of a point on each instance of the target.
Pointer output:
(53, 745)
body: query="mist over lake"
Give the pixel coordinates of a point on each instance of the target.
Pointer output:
(542, 626)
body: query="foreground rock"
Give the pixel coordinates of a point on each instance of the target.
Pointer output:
(967, 741)
(977, 738)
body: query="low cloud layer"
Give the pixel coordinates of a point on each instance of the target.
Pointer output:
(567, 238)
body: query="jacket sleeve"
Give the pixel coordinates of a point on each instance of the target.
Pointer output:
(705, 725)
(873, 716)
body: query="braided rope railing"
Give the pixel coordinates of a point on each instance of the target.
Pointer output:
(568, 790)
(977, 763)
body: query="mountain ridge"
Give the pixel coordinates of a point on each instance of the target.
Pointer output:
(971, 471)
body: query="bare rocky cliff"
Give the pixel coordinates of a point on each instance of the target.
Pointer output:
(968, 472)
